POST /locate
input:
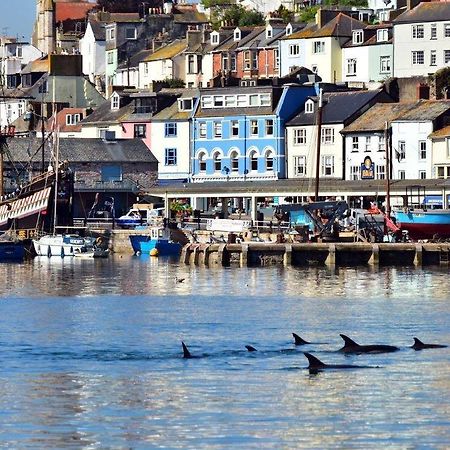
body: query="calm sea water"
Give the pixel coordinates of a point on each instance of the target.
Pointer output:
(90, 356)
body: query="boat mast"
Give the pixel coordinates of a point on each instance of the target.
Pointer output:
(388, 170)
(319, 137)
(55, 206)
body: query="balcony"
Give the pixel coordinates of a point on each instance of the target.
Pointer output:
(126, 185)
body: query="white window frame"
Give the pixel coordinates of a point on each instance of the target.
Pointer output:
(202, 130)
(170, 156)
(368, 144)
(357, 37)
(270, 127)
(300, 166)
(385, 64)
(418, 31)
(327, 136)
(446, 56)
(254, 127)
(355, 144)
(417, 57)
(382, 35)
(351, 67)
(433, 58)
(299, 136)
(217, 129)
(422, 145)
(355, 172)
(294, 49)
(134, 33)
(433, 31)
(318, 47)
(327, 165)
(447, 30)
(214, 38)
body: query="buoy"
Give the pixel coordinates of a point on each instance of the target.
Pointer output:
(154, 252)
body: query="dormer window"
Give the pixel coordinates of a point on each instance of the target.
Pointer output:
(130, 33)
(237, 34)
(288, 29)
(110, 34)
(269, 32)
(358, 37)
(382, 35)
(309, 107)
(185, 104)
(115, 101)
(214, 38)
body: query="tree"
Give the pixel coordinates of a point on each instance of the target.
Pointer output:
(124, 5)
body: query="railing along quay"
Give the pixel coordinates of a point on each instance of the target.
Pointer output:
(303, 254)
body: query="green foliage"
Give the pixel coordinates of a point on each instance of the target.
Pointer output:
(249, 18)
(120, 5)
(285, 14)
(174, 82)
(237, 15)
(308, 14)
(441, 79)
(360, 3)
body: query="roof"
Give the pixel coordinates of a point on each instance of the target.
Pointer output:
(425, 12)
(188, 14)
(76, 150)
(38, 65)
(425, 110)
(168, 51)
(135, 59)
(441, 133)
(257, 39)
(98, 28)
(172, 113)
(337, 107)
(62, 122)
(104, 114)
(230, 44)
(72, 10)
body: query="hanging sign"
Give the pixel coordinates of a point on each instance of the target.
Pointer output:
(367, 169)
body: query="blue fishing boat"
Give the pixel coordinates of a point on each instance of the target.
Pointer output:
(156, 238)
(423, 224)
(11, 250)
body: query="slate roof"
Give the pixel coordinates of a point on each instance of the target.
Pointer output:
(104, 114)
(77, 150)
(98, 28)
(258, 37)
(135, 59)
(168, 51)
(425, 12)
(231, 44)
(337, 107)
(172, 113)
(188, 14)
(425, 110)
(38, 65)
(370, 36)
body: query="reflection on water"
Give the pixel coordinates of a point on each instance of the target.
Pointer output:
(90, 356)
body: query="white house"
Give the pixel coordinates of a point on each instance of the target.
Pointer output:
(167, 62)
(422, 40)
(92, 48)
(440, 152)
(368, 56)
(291, 49)
(171, 138)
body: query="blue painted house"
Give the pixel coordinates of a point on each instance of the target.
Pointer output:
(238, 133)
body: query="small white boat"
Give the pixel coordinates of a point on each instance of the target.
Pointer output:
(91, 252)
(61, 245)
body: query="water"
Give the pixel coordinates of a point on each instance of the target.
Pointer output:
(90, 357)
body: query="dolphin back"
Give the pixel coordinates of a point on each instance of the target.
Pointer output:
(298, 340)
(314, 363)
(186, 352)
(348, 342)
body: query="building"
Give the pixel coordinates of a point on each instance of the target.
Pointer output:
(92, 49)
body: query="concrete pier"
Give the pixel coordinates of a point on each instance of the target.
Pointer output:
(302, 254)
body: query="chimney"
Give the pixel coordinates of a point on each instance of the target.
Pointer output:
(194, 37)
(410, 4)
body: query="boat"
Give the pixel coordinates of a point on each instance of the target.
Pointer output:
(155, 238)
(424, 223)
(11, 249)
(92, 252)
(61, 245)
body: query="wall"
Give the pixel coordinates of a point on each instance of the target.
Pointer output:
(128, 131)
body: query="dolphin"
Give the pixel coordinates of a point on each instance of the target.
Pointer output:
(186, 352)
(419, 345)
(351, 346)
(316, 365)
(298, 340)
(250, 348)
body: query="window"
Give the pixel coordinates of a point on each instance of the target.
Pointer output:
(253, 100)
(433, 31)
(110, 34)
(368, 144)
(447, 145)
(237, 35)
(382, 35)
(217, 126)
(276, 55)
(214, 38)
(233, 63)
(294, 49)
(115, 102)
(309, 107)
(385, 64)
(269, 32)
(269, 162)
(202, 162)
(358, 37)
(300, 136)
(202, 129)
(447, 30)
(72, 119)
(218, 101)
(234, 128)
(440, 172)
(327, 136)
(354, 172)
(140, 130)
(380, 172)
(185, 104)
(381, 144)
(265, 99)
(401, 152)
(254, 161)
(170, 129)
(446, 56)
(288, 29)
(422, 174)
(234, 162)
(247, 60)
(269, 127)
(418, 32)
(43, 87)
(422, 149)
(130, 33)
(217, 162)
(170, 157)
(191, 63)
(111, 173)
(225, 62)
(207, 102)
(401, 175)
(355, 143)
(432, 57)
(351, 66)
(19, 51)
(254, 127)
(254, 60)
(327, 165)
(300, 166)
(319, 47)
(418, 57)
(110, 57)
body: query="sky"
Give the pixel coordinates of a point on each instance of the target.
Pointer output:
(17, 18)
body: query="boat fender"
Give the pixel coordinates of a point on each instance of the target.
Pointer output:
(49, 252)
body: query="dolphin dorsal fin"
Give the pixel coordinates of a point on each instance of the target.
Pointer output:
(314, 363)
(186, 352)
(348, 342)
(298, 340)
(417, 342)
(250, 348)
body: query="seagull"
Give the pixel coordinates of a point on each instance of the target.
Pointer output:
(179, 280)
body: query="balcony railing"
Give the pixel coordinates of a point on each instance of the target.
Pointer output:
(126, 185)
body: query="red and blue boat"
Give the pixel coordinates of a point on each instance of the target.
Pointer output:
(424, 224)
